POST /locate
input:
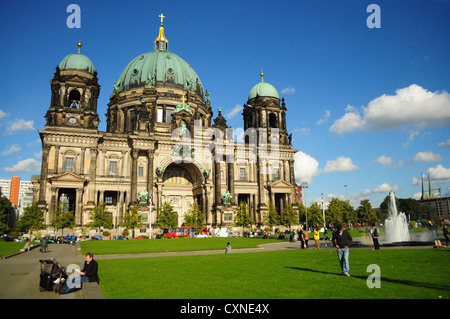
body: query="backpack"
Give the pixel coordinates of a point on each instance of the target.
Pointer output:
(375, 233)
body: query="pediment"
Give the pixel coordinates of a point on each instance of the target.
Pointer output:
(67, 177)
(280, 185)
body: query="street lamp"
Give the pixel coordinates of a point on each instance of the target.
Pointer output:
(346, 197)
(305, 186)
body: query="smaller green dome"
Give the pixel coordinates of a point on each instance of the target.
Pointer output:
(77, 61)
(263, 89)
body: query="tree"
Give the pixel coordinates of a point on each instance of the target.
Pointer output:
(290, 216)
(301, 213)
(194, 217)
(242, 217)
(166, 217)
(131, 219)
(366, 214)
(271, 217)
(4, 211)
(31, 220)
(100, 217)
(340, 212)
(315, 216)
(63, 218)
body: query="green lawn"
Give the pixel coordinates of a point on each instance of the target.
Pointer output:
(10, 247)
(298, 274)
(107, 247)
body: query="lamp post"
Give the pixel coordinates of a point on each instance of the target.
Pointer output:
(305, 186)
(346, 197)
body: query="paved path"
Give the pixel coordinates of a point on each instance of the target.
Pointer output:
(20, 274)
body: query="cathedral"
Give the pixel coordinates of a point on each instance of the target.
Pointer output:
(162, 144)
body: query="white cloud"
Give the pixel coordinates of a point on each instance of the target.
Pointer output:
(238, 108)
(384, 160)
(341, 164)
(19, 125)
(288, 90)
(427, 157)
(324, 118)
(445, 144)
(26, 165)
(12, 149)
(3, 114)
(385, 188)
(413, 108)
(305, 167)
(439, 174)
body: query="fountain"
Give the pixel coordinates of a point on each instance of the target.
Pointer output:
(396, 224)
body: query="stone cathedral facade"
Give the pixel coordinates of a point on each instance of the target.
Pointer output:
(161, 144)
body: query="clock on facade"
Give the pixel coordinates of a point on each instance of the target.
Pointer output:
(72, 120)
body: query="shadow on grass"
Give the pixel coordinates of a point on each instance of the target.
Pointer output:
(395, 281)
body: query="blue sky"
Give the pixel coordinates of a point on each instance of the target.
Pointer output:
(367, 107)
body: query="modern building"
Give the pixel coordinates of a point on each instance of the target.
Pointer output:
(161, 144)
(438, 204)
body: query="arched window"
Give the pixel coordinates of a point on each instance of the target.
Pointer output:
(74, 98)
(273, 120)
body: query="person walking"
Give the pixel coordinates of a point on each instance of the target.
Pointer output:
(445, 231)
(306, 235)
(341, 240)
(228, 248)
(325, 232)
(301, 237)
(375, 236)
(316, 238)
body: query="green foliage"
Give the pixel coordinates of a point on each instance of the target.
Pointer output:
(100, 217)
(31, 220)
(4, 207)
(290, 216)
(315, 216)
(63, 218)
(271, 217)
(166, 217)
(340, 212)
(194, 217)
(242, 217)
(131, 219)
(366, 214)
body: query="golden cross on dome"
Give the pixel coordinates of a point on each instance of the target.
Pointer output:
(162, 18)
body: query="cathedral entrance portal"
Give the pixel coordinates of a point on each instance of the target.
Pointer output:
(182, 187)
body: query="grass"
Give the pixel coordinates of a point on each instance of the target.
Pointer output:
(10, 247)
(107, 247)
(291, 274)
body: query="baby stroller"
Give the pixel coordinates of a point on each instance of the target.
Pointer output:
(52, 275)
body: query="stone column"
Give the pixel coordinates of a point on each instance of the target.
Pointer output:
(56, 159)
(230, 169)
(217, 184)
(92, 198)
(83, 152)
(78, 206)
(134, 155)
(43, 179)
(150, 156)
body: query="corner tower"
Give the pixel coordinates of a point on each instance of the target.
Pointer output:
(75, 91)
(264, 110)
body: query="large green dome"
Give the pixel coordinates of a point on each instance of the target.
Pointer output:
(263, 89)
(159, 68)
(77, 61)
